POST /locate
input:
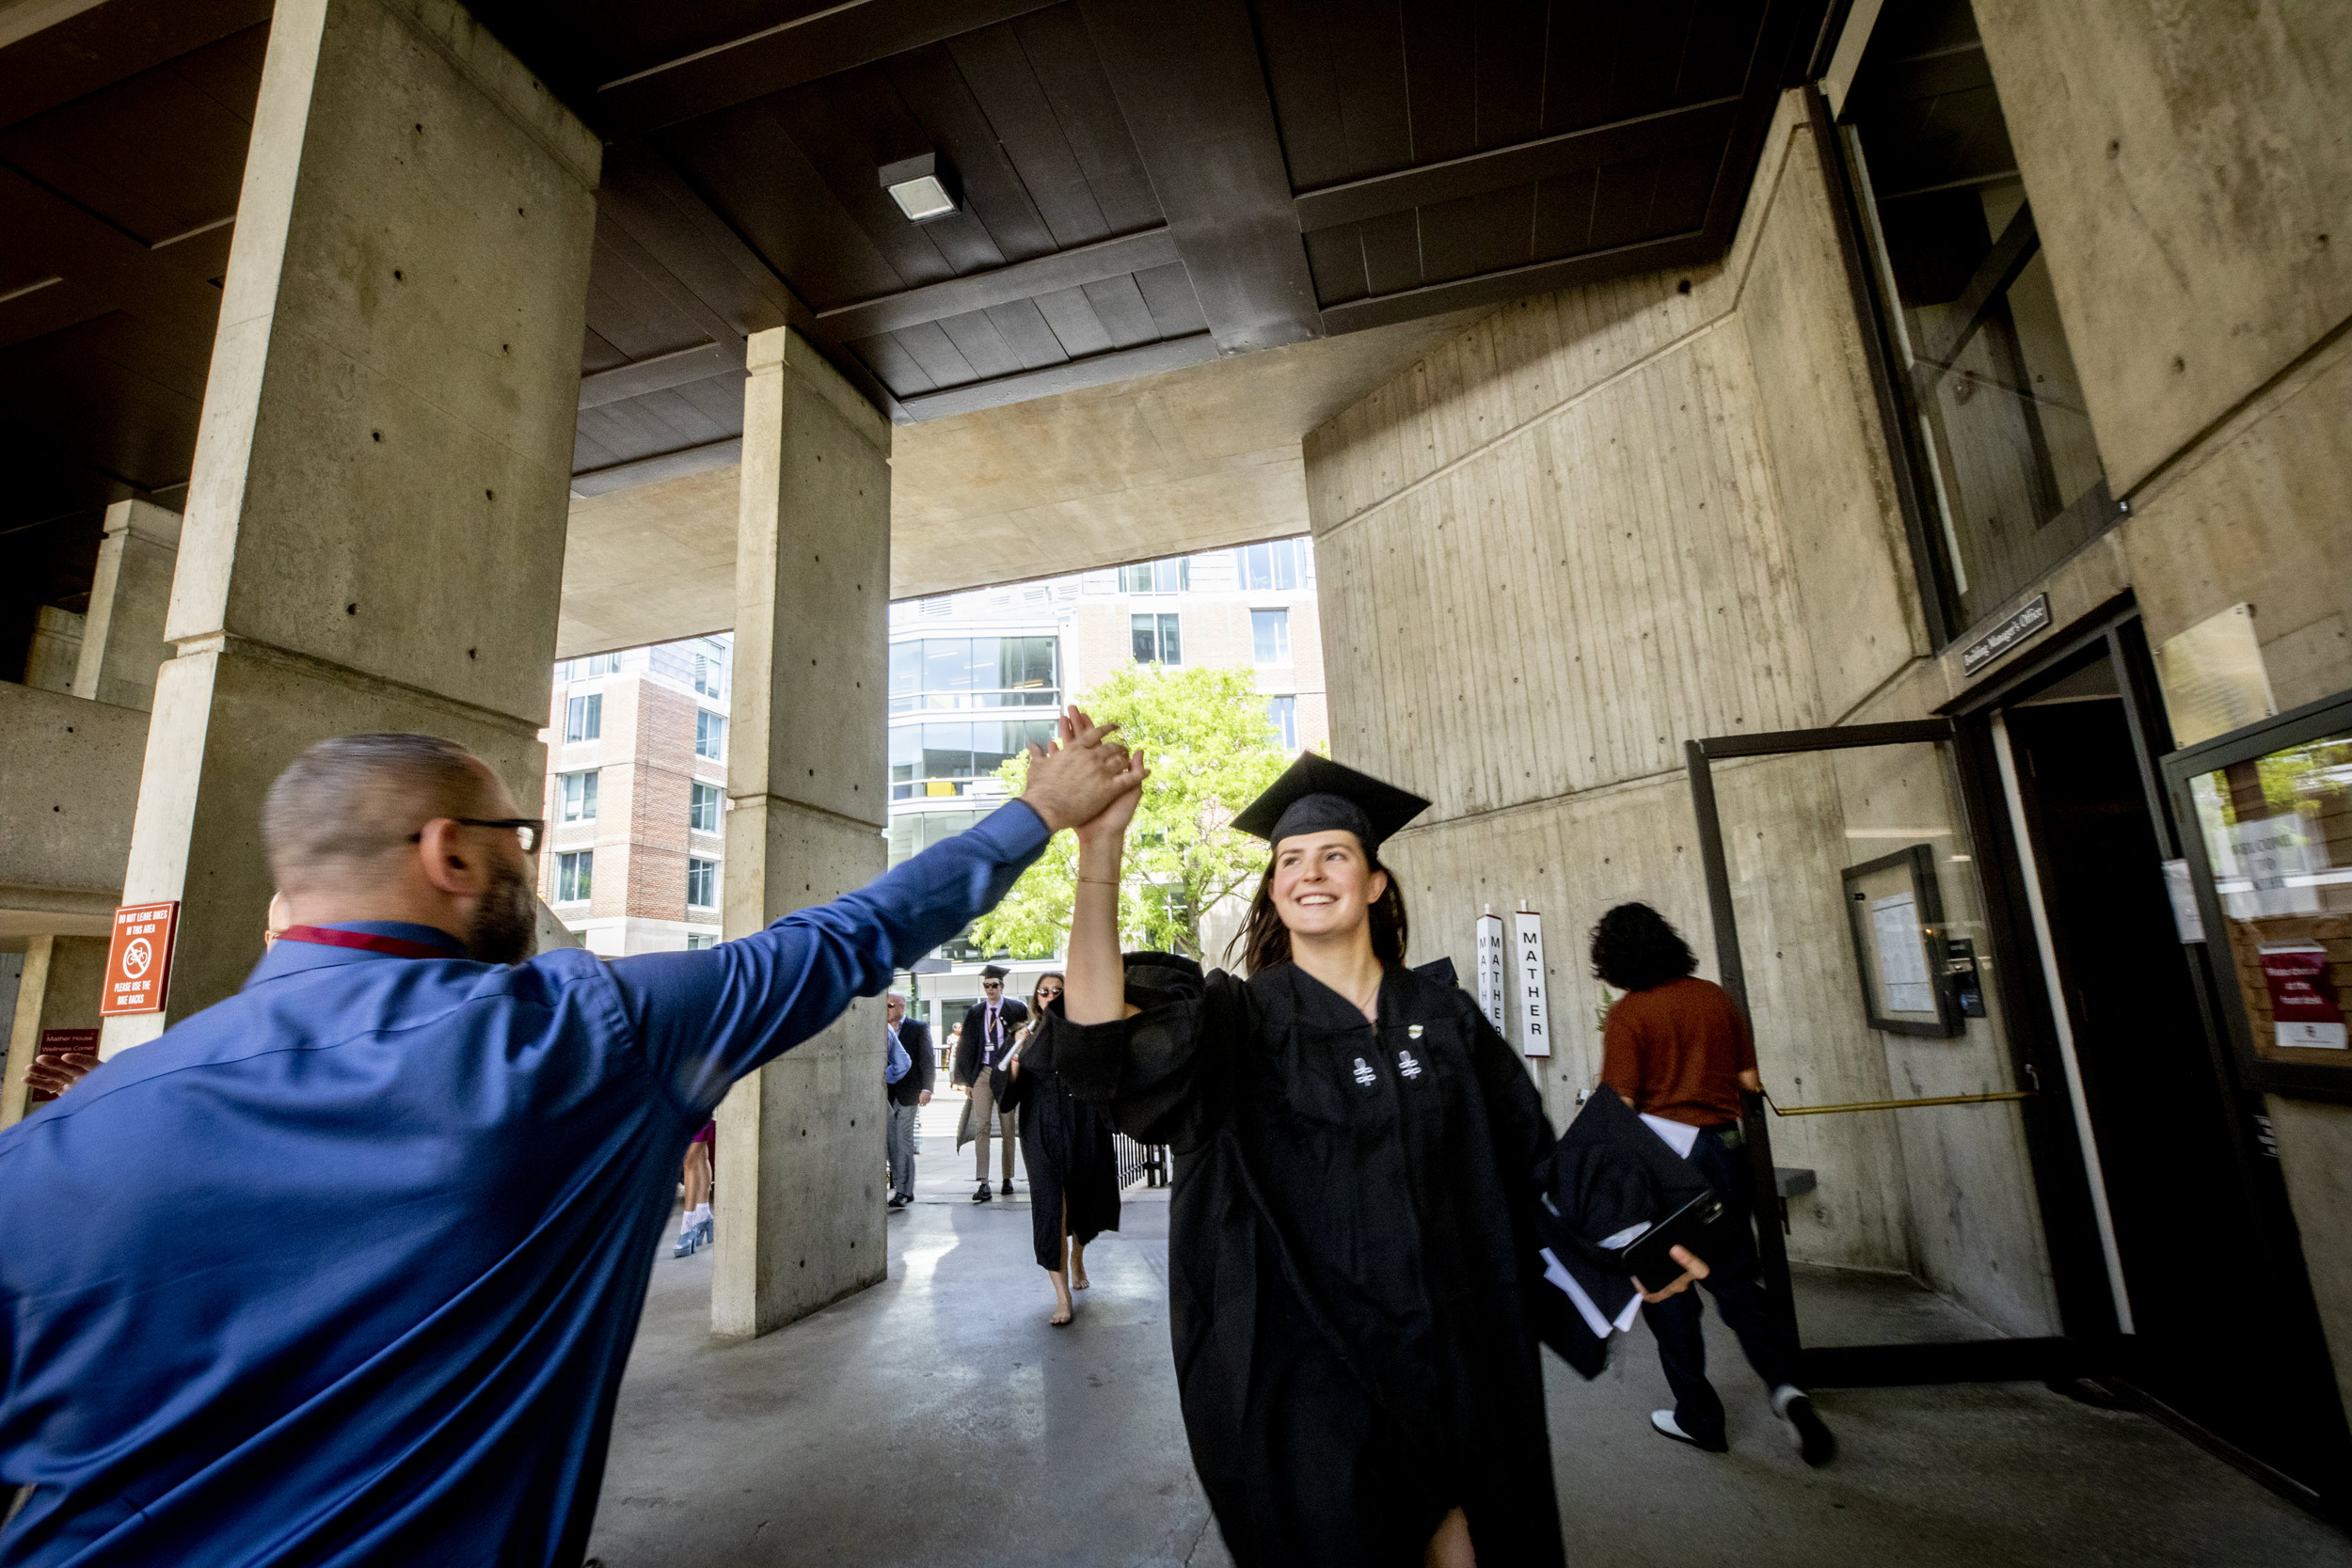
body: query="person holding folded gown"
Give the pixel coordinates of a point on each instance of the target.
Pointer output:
(1350, 1228)
(1065, 1146)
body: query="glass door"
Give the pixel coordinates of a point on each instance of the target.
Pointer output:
(1851, 922)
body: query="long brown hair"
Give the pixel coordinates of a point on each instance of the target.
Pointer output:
(1263, 940)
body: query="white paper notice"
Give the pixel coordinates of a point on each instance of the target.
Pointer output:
(1903, 955)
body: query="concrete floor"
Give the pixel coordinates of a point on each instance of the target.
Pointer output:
(936, 1419)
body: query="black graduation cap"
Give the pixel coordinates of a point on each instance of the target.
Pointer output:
(1316, 795)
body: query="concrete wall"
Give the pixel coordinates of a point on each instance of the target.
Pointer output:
(2187, 167)
(68, 781)
(1521, 622)
(1598, 523)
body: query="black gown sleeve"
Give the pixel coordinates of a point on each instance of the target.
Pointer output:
(1157, 1073)
(1514, 1112)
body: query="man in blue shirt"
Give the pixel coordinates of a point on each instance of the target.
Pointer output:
(358, 1253)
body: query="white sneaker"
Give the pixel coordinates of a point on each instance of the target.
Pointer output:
(1663, 1422)
(1815, 1443)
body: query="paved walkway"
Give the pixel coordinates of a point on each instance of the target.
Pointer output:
(936, 1419)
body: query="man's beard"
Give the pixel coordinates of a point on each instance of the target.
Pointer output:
(505, 925)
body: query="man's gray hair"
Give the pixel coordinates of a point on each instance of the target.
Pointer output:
(355, 796)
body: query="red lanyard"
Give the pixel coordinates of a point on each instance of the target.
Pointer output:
(399, 947)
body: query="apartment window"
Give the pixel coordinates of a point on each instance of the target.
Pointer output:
(578, 801)
(703, 814)
(1277, 567)
(912, 832)
(1270, 636)
(1173, 575)
(710, 734)
(584, 717)
(591, 667)
(974, 672)
(2008, 475)
(1284, 712)
(709, 677)
(696, 945)
(1156, 640)
(942, 756)
(575, 875)
(702, 883)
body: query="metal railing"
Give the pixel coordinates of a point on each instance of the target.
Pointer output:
(1145, 1162)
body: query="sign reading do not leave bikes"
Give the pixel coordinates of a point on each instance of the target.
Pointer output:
(138, 960)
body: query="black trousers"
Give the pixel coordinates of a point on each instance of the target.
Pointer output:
(1735, 1279)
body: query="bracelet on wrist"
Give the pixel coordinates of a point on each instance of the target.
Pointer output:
(1101, 881)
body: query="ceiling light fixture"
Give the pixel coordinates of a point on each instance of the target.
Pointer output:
(923, 188)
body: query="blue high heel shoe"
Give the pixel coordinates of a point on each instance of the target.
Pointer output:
(686, 1242)
(705, 1231)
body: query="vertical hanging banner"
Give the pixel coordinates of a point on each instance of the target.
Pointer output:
(1534, 1011)
(1494, 964)
(138, 961)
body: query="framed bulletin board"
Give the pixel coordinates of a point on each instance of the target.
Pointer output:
(2267, 824)
(1896, 912)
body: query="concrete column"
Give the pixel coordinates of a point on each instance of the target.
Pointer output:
(54, 649)
(374, 532)
(123, 635)
(800, 1177)
(59, 990)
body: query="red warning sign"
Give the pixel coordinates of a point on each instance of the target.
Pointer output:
(139, 962)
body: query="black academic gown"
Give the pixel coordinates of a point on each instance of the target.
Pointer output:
(1066, 1148)
(1346, 1233)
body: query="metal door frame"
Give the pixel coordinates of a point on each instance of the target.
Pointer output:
(2046, 1358)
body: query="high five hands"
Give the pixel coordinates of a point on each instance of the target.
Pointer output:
(1083, 775)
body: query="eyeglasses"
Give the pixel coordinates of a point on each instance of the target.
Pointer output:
(991, 984)
(531, 832)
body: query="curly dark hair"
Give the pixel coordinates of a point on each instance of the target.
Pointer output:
(1633, 949)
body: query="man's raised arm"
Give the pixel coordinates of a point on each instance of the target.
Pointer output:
(705, 1019)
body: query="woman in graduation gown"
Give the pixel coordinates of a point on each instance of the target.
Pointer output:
(1066, 1149)
(1349, 1223)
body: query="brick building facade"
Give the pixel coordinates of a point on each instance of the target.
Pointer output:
(636, 796)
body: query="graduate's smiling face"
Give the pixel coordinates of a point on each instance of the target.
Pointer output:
(1325, 884)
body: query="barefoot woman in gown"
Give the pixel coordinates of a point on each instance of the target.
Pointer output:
(1065, 1146)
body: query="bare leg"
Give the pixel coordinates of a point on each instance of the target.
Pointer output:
(1451, 1547)
(1064, 1308)
(698, 1176)
(1077, 1264)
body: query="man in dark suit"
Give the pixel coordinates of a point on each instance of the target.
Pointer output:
(910, 1055)
(989, 1025)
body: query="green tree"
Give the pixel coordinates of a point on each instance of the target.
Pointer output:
(1212, 750)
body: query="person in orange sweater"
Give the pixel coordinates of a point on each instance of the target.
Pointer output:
(1676, 1048)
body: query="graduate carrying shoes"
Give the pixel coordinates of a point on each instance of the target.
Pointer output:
(1352, 1225)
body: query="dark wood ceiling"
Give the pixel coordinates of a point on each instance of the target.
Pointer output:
(1145, 185)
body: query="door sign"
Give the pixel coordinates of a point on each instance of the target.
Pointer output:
(1528, 964)
(138, 961)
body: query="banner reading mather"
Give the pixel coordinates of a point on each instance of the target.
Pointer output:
(138, 963)
(1493, 964)
(1534, 1011)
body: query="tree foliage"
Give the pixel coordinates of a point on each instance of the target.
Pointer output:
(1213, 750)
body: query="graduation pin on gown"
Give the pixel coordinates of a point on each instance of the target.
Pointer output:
(1349, 1231)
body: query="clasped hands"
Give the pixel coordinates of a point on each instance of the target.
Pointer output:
(1083, 775)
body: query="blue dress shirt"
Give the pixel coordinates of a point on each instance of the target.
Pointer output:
(345, 1269)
